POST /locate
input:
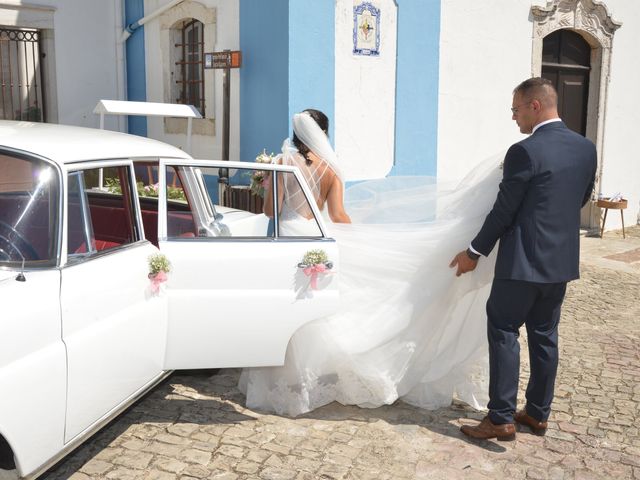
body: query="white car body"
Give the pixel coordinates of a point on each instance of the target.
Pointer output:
(83, 336)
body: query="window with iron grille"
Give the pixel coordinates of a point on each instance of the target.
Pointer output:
(20, 75)
(190, 64)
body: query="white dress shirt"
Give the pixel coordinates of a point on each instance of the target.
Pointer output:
(544, 123)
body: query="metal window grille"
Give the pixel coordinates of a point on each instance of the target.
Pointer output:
(191, 64)
(20, 75)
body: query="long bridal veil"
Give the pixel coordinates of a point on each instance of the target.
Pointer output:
(407, 327)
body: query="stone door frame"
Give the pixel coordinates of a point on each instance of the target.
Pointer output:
(590, 19)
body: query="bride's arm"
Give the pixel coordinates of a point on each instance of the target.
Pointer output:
(335, 202)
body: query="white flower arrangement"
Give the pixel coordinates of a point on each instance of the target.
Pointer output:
(259, 178)
(159, 262)
(159, 267)
(264, 158)
(313, 264)
(314, 257)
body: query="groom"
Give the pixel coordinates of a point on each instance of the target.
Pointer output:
(547, 178)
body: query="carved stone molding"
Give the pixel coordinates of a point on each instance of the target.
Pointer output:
(591, 16)
(592, 20)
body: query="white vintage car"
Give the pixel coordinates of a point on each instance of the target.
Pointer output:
(82, 333)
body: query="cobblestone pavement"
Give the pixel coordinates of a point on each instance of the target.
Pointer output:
(194, 425)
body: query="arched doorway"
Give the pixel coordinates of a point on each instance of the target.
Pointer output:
(555, 39)
(566, 61)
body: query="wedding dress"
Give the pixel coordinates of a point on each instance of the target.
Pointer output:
(296, 218)
(407, 327)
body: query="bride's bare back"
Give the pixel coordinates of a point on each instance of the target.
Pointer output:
(331, 190)
(325, 185)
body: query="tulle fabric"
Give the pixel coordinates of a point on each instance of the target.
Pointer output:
(295, 205)
(407, 327)
(316, 140)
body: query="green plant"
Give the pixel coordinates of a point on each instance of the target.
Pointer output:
(113, 185)
(173, 193)
(176, 193)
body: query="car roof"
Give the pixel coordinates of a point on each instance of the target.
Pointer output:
(66, 144)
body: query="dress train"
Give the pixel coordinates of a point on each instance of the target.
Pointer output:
(407, 327)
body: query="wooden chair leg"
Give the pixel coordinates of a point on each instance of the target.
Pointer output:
(604, 220)
(622, 216)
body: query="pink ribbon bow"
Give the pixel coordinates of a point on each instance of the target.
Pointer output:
(156, 280)
(313, 271)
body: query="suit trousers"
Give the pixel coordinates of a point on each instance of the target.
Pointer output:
(511, 304)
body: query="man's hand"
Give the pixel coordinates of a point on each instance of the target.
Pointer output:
(464, 263)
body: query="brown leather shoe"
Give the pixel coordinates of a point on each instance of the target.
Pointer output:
(523, 418)
(487, 429)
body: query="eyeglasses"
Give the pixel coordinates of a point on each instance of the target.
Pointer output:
(515, 109)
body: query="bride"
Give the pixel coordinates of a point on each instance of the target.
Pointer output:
(406, 327)
(317, 163)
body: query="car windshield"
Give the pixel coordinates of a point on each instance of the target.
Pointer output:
(29, 204)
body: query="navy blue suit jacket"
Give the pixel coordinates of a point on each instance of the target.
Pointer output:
(547, 178)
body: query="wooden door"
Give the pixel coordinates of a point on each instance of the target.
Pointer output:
(566, 61)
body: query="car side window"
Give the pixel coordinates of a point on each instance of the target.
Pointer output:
(147, 186)
(101, 218)
(235, 202)
(296, 218)
(228, 203)
(29, 212)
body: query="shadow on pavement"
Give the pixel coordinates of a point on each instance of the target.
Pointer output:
(161, 405)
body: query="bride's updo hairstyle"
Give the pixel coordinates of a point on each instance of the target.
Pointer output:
(323, 122)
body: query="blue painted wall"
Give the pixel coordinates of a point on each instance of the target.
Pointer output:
(264, 76)
(417, 75)
(136, 73)
(312, 57)
(288, 65)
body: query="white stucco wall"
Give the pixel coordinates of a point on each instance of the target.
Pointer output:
(81, 54)
(485, 51)
(365, 95)
(621, 160)
(86, 56)
(227, 36)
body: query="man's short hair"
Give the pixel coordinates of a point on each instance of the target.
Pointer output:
(538, 88)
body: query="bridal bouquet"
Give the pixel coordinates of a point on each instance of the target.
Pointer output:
(314, 263)
(259, 178)
(159, 266)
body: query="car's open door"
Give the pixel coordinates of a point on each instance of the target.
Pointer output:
(237, 290)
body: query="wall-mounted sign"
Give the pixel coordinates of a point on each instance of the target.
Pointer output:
(224, 59)
(366, 29)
